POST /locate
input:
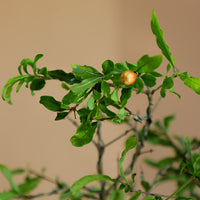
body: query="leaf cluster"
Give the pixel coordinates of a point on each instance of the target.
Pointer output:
(105, 98)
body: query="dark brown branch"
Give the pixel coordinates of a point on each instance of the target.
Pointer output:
(100, 148)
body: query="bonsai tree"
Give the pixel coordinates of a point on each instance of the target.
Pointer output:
(93, 97)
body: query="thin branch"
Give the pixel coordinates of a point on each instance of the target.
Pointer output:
(152, 194)
(119, 137)
(156, 89)
(148, 151)
(100, 148)
(54, 192)
(43, 177)
(143, 136)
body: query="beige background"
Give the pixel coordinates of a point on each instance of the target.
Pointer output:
(87, 32)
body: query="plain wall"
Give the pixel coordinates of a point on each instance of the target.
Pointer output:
(87, 32)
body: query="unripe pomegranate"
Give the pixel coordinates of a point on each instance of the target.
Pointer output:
(128, 77)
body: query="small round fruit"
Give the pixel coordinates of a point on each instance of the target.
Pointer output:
(128, 77)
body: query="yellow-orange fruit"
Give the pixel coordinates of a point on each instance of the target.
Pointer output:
(128, 77)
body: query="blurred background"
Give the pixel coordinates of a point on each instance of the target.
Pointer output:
(87, 32)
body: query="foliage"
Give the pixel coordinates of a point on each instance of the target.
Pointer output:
(106, 98)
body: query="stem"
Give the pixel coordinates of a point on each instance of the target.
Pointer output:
(43, 177)
(181, 188)
(54, 192)
(100, 147)
(119, 137)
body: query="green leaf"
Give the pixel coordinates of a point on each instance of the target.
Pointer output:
(191, 82)
(139, 84)
(182, 167)
(188, 148)
(28, 80)
(8, 175)
(155, 139)
(24, 188)
(85, 84)
(90, 103)
(157, 31)
(146, 185)
(20, 70)
(43, 71)
(61, 115)
(131, 143)
(107, 66)
(96, 95)
(149, 79)
(7, 195)
(17, 171)
(85, 72)
(135, 196)
(184, 76)
(119, 68)
(167, 121)
(72, 97)
(127, 188)
(162, 92)
(116, 195)
(68, 194)
(156, 74)
(19, 85)
(37, 84)
(105, 88)
(126, 94)
(174, 92)
(162, 163)
(131, 66)
(50, 103)
(84, 134)
(149, 64)
(133, 177)
(168, 68)
(168, 83)
(7, 88)
(196, 166)
(37, 57)
(28, 62)
(105, 110)
(78, 185)
(29, 185)
(65, 86)
(122, 113)
(8, 94)
(62, 76)
(114, 95)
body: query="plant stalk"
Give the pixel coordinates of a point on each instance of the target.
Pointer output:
(181, 188)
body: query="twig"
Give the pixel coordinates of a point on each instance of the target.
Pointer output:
(100, 147)
(119, 137)
(56, 191)
(148, 151)
(43, 177)
(152, 194)
(156, 89)
(145, 130)
(181, 188)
